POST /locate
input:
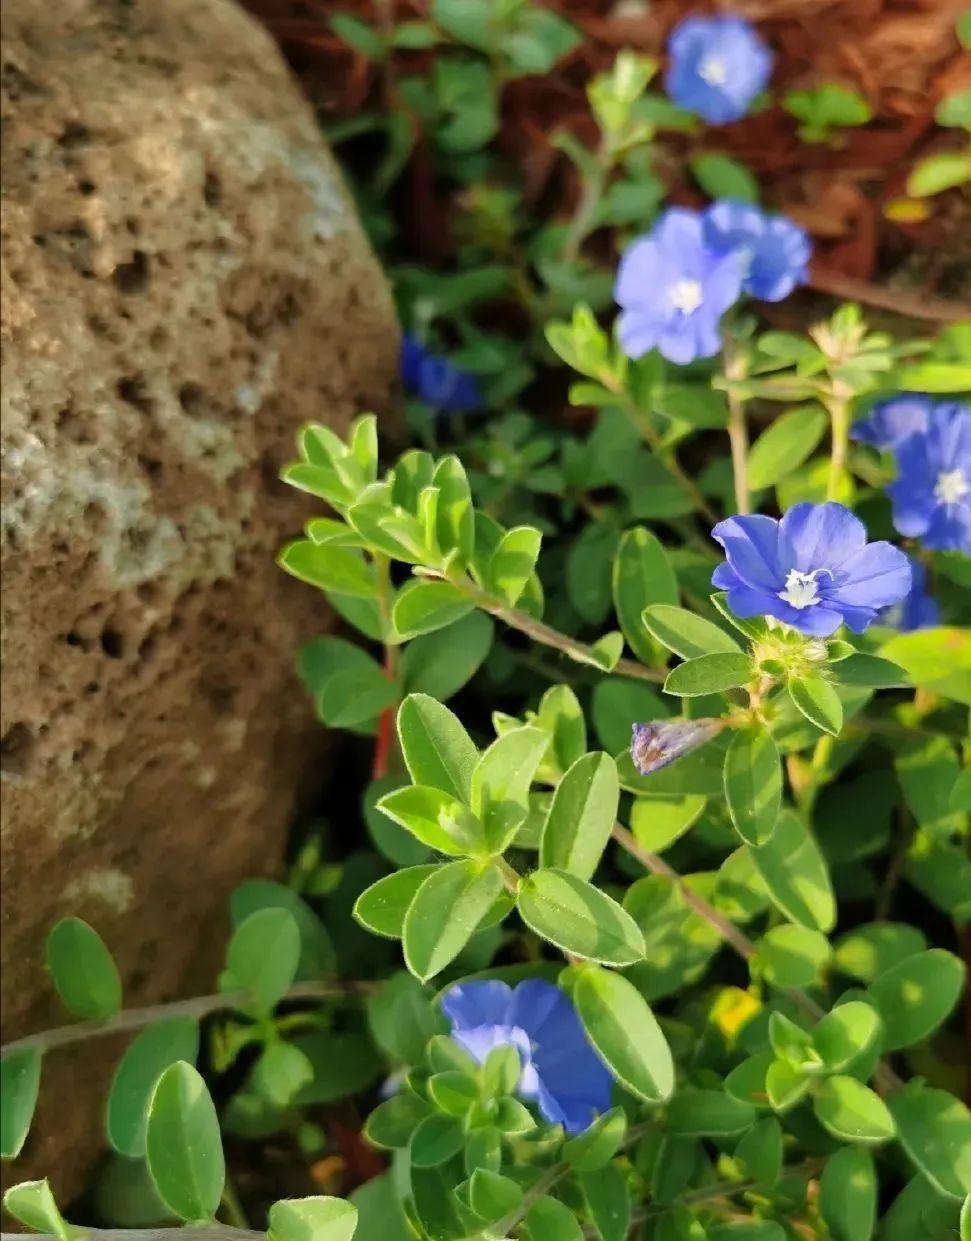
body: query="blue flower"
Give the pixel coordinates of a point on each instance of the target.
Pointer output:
(774, 251)
(812, 570)
(718, 66)
(932, 494)
(560, 1070)
(673, 290)
(660, 742)
(918, 610)
(892, 420)
(436, 381)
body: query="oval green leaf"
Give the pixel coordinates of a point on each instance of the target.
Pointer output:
(445, 912)
(579, 918)
(795, 874)
(183, 1146)
(83, 970)
(581, 816)
(753, 784)
(133, 1084)
(709, 674)
(914, 996)
(625, 1033)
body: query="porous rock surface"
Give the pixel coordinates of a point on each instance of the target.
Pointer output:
(184, 283)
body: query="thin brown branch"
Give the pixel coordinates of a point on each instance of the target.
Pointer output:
(885, 1076)
(913, 305)
(198, 1006)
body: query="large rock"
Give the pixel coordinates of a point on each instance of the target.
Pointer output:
(184, 283)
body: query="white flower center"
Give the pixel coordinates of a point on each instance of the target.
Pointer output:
(713, 70)
(685, 295)
(952, 487)
(802, 589)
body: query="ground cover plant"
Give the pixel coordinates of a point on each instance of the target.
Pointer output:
(637, 909)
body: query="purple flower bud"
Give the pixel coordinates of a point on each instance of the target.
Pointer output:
(660, 742)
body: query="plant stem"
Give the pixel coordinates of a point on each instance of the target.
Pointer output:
(737, 427)
(582, 223)
(664, 455)
(730, 933)
(838, 407)
(198, 1006)
(547, 636)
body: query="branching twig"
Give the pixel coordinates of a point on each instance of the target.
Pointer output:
(884, 1075)
(198, 1006)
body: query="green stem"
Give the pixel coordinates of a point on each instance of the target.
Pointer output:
(664, 455)
(838, 407)
(198, 1006)
(884, 1075)
(547, 636)
(737, 426)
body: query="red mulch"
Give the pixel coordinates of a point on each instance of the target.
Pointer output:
(902, 56)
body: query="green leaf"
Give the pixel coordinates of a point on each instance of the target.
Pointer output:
(579, 918)
(548, 1219)
(939, 172)
(870, 672)
(686, 634)
(32, 1203)
(625, 1033)
(642, 575)
(818, 702)
(936, 659)
(785, 1085)
(846, 1032)
(435, 818)
(317, 956)
(341, 569)
(440, 664)
(436, 748)
(19, 1084)
(720, 176)
(608, 1200)
(871, 949)
(392, 1123)
(281, 1071)
(83, 970)
(934, 1129)
(753, 784)
(145, 1060)
(794, 872)
(454, 518)
(698, 1113)
(312, 1219)
(760, 1152)
(263, 955)
(581, 816)
(852, 1112)
(501, 780)
(590, 1150)
(435, 1141)
(914, 996)
(709, 674)
(358, 35)
(340, 1064)
(512, 564)
(423, 606)
(792, 956)
(589, 571)
(355, 696)
(493, 1196)
(381, 908)
(848, 1194)
(183, 1146)
(657, 822)
(785, 445)
(445, 912)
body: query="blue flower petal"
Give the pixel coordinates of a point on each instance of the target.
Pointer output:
(812, 535)
(752, 546)
(477, 1003)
